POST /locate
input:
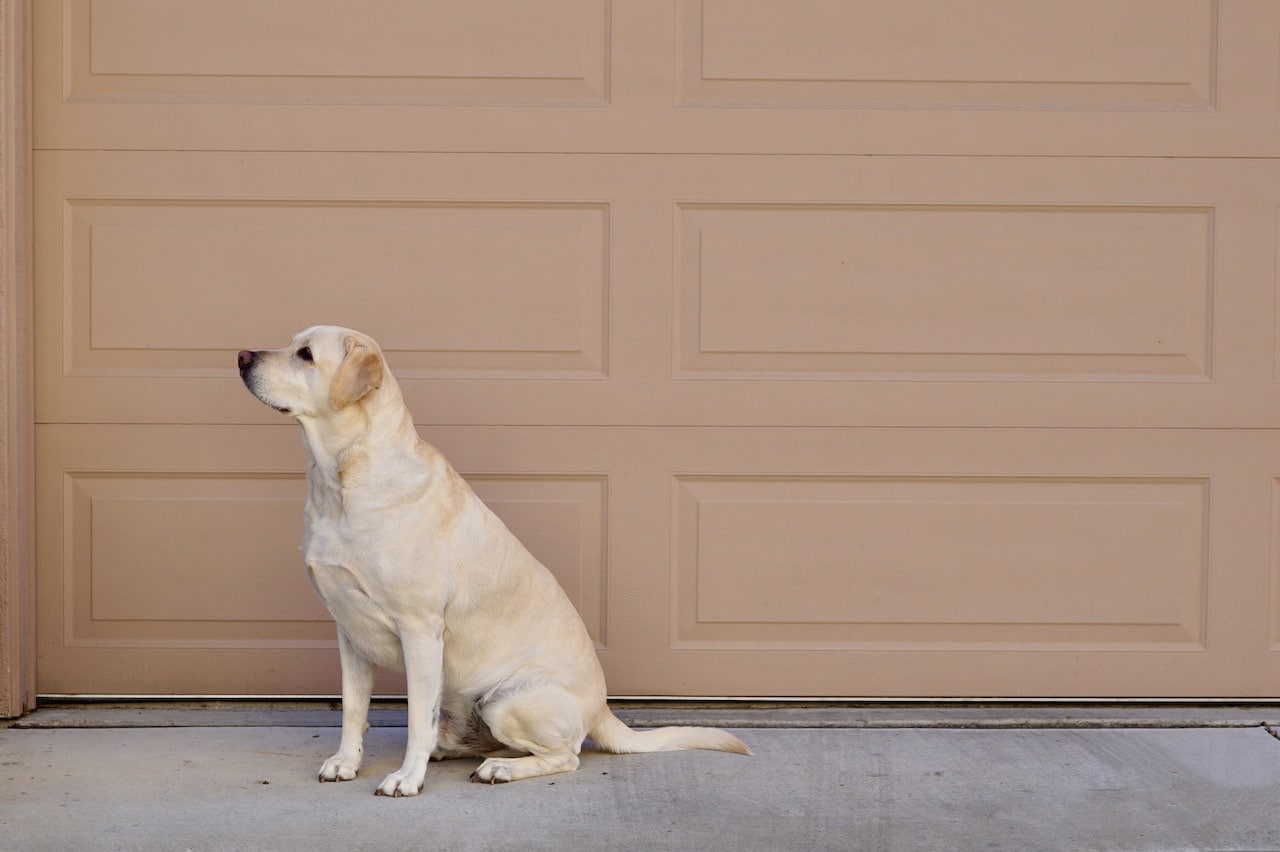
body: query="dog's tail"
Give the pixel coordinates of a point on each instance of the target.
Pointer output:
(612, 734)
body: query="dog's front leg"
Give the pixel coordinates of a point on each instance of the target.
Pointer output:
(357, 686)
(423, 648)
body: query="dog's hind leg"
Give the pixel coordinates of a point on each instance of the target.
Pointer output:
(544, 723)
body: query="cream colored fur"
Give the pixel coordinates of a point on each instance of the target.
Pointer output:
(421, 576)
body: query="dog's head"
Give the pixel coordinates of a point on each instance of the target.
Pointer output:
(324, 370)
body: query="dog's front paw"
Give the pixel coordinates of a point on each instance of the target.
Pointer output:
(340, 767)
(407, 781)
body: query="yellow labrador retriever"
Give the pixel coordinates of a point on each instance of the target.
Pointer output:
(420, 576)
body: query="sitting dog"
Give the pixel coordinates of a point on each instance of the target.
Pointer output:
(421, 576)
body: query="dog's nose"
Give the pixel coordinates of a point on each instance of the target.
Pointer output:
(246, 359)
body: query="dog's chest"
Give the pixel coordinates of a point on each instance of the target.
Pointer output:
(352, 595)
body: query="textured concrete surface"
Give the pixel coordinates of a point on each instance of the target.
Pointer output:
(887, 787)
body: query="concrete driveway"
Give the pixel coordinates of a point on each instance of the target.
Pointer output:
(228, 776)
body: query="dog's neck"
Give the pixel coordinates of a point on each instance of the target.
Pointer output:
(339, 445)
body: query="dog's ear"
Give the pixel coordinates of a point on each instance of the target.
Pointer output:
(359, 373)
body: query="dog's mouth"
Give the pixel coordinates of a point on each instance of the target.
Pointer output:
(247, 361)
(251, 385)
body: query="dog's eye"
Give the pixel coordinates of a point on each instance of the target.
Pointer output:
(304, 354)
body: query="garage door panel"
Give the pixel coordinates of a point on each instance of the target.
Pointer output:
(187, 548)
(1139, 54)
(906, 291)
(988, 561)
(1101, 78)
(488, 289)
(823, 561)
(500, 50)
(1188, 78)
(840, 562)
(185, 539)
(769, 290)
(152, 280)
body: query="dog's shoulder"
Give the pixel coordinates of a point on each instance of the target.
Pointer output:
(449, 493)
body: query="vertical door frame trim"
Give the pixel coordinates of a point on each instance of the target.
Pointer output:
(17, 412)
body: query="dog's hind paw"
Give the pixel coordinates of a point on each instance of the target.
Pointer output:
(493, 771)
(500, 770)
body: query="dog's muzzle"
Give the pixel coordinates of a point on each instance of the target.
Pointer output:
(247, 361)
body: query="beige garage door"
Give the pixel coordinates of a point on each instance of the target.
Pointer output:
(820, 348)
